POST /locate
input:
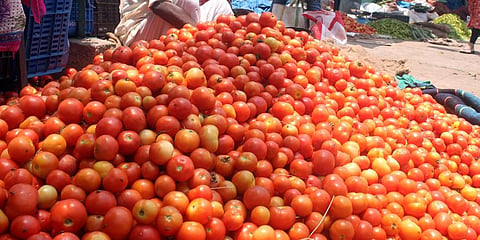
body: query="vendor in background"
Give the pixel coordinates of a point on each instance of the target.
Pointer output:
(312, 5)
(451, 6)
(474, 24)
(149, 19)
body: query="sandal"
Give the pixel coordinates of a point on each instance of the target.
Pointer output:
(467, 51)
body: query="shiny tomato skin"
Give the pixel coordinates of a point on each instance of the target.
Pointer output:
(216, 229)
(282, 217)
(191, 230)
(66, 236)
(22, 200)
(180, 168)
(99, 202)
(134, 119)
(143, 232)
(70, 110)
(108, 125)
(117, 222)
(68, 215)
(24, 226)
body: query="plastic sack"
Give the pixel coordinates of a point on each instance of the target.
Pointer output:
(291, 14)
(327, 25)
(415, 17)
(370, 7)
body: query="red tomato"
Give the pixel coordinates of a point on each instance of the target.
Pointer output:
(134, 119)
(169, 220)
(68, 216)
(180, 168)
(144, 232)
(99, 202)
(145, 211)
(22, 200)
(191, 230)
(128, 142)
(341, 229)
(117, 222)
(70, 110)
(282, 217)
(24, 226)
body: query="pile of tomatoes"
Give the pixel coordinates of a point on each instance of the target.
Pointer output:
(352, 25)
(234, 129)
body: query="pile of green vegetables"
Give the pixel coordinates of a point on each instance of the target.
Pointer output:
(421, 34)
(458, 27)
(393, 27)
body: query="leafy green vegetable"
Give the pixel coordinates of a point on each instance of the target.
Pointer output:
(458, 26)
(393, 27)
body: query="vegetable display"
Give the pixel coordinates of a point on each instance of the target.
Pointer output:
(420, 33)
(458, 27)
(351, 25)
(392, 27)
(234, 129)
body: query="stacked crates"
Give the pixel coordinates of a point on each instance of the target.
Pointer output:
(7, 65)
(46, 43)
(107, 16)
(73, 25)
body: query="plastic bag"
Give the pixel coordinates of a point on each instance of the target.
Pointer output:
(327, 25)
(291, 14)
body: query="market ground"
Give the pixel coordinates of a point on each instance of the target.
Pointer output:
(441, 63)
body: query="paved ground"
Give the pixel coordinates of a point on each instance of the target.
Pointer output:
(443, 65)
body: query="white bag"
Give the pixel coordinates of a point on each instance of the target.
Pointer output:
(328, 25)
(291, 14)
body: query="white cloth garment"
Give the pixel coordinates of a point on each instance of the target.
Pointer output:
(138, 22)
(210, 10)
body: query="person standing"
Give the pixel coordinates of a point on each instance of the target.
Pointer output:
(474, 24)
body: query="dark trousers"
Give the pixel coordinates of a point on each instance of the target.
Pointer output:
(312, 5)
(336, 5)
(475, 34)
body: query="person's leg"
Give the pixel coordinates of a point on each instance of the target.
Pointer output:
(473, 38)
(314, 5)
(283, 2)
(336, 5)
(475, 35)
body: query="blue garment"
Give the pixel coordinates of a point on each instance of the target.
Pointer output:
(257, 6)
(403, 4)
(312, 5)
(454, 4)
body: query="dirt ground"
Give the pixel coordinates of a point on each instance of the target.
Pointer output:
(441, 63)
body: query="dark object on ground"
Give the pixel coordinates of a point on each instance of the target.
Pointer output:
(459, 102)
(240, 12)
(439, 30)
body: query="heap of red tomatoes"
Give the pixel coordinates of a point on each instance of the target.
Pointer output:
(238, 129)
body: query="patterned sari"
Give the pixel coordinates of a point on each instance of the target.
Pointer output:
(12, 19)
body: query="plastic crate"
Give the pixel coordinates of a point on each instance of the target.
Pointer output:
(46, 43)
(107, 16)
(73, 24)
